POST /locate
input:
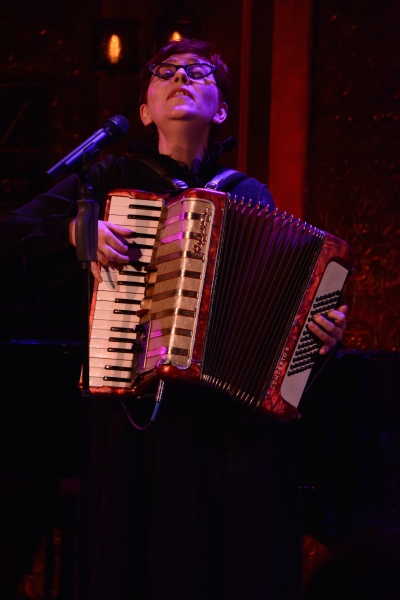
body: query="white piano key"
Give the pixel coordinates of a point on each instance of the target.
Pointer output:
(101, 363)
(106, 314)
(145, 253)
(139, 267)
(106, 322)
(105, 343)
(121, 283)
(120, 209)
(109, 356)
(135, 224)
(97, 382)
(107, 295)
(125, 275)
(102, 372)
(98, 333)
(107, 333)
(118, 200)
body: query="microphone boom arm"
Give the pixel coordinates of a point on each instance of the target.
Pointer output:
(111, 131)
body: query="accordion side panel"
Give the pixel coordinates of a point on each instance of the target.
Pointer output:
(323, 293)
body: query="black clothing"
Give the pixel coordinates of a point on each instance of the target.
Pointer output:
(41, 226)
(203, 505)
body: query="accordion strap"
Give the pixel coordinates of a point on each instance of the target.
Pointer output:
(176, 183)
(225, 179)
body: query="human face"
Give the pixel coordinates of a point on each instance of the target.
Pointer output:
(183, 99)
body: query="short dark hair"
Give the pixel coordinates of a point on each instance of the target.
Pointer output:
(206, 49)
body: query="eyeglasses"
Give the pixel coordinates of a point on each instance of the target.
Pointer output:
(193, 71)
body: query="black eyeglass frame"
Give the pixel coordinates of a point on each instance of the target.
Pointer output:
(184, 67)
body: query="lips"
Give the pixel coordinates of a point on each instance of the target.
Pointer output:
(178, 92)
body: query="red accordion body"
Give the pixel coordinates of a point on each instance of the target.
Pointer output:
(219, 294)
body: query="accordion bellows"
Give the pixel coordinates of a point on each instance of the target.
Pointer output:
(219, 293)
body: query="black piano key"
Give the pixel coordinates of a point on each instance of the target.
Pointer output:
(122, 351)
(117, 368)
(116, 379)
(123, 329)
(125, 340)
(118, 311)
(143, 218)
(141, 246)
(145, 207)
(126, 301)
(137, 283)
(148, 236)
(133, 273)
(138, 265)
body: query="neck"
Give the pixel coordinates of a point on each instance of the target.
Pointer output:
(182, 145)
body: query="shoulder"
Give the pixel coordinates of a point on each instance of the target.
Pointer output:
(127, 172)
(111, 167)
(252, 190)
(112, 173)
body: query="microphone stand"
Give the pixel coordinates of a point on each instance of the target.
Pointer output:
(86, 239)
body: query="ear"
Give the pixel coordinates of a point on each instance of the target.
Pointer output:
(221, 114)
(145, 116)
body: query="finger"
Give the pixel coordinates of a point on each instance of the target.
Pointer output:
(325, 323)
(334, 322)
(328, 341)
(94, 267)
(112, 248)
(119, 230)
(105, 260)
(107, 236)
(338, 317)
(327, 347)
(111, 256)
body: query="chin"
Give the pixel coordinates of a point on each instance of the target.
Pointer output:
(183, 114)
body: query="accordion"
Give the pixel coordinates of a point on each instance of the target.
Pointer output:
(218, 293)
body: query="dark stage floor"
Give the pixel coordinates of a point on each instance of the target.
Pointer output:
(347, 446)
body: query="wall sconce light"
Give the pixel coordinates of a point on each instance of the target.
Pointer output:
(115, 45)
(175, 28)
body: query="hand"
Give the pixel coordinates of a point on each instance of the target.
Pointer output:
(329, 329)
(111, 249)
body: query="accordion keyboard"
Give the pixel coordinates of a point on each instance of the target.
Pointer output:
(118, 298)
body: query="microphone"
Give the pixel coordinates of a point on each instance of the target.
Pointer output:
(111, 131)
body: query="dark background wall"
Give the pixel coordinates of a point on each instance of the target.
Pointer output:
(52, 99)
(354, 152)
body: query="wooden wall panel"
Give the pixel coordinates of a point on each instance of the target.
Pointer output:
(289, 103)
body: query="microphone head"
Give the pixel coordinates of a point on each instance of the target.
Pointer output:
(117, 126)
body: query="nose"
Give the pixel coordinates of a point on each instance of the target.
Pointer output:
(181, 75)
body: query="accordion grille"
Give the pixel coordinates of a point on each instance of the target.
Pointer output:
(264, 263)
